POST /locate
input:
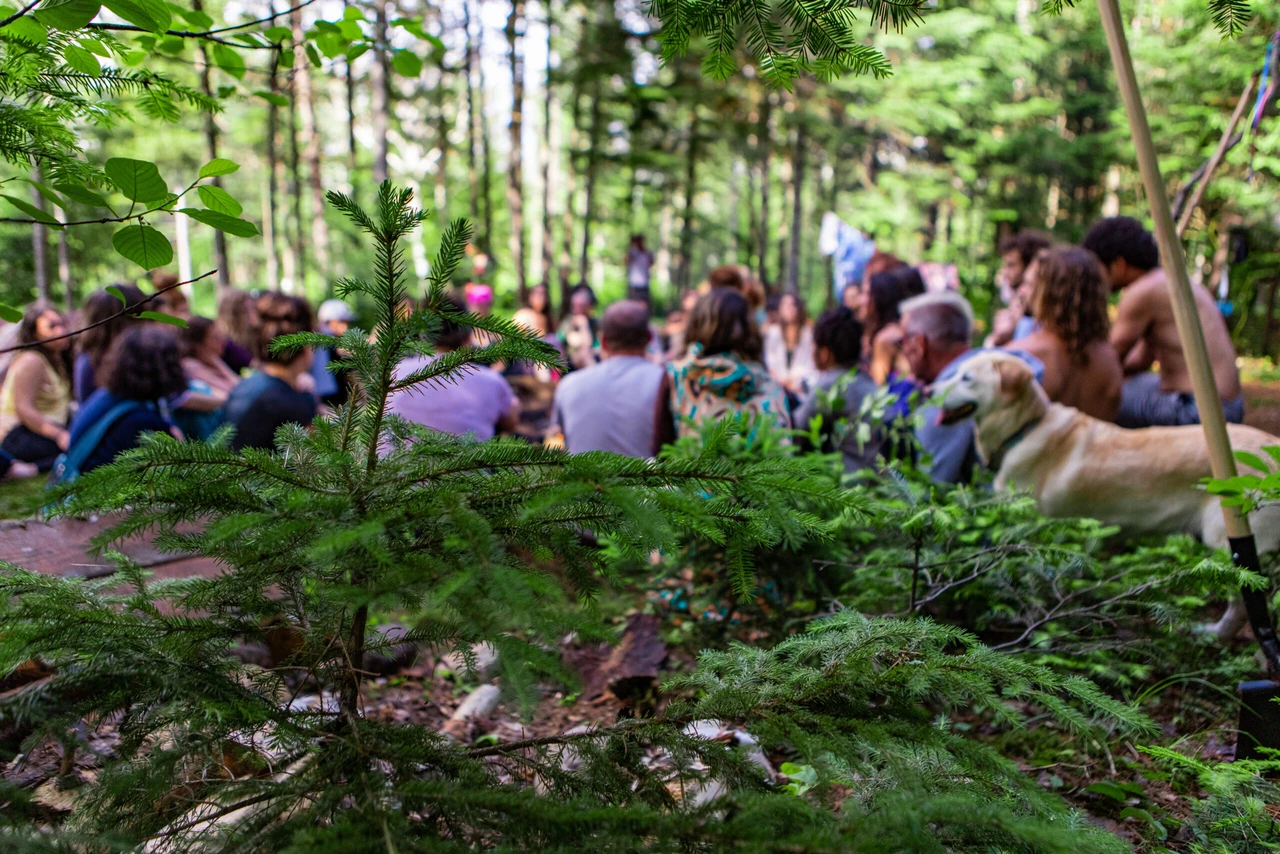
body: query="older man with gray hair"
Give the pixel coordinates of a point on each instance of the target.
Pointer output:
(609, 406)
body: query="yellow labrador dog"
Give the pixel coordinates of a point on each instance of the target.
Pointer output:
(1144, 481)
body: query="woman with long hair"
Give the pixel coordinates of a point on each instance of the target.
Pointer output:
(35, 400)
(1069, 304)
(788, 346)
(93, 343)
(879, 315)
(721, 373)
(535, 314)
(209, 380)
(238, 323)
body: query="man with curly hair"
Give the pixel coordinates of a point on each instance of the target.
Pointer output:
(1145, 334)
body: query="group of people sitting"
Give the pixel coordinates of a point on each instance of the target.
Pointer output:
(629, 386)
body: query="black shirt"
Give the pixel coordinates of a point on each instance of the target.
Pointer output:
(262, 404)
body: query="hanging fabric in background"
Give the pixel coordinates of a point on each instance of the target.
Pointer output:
(850, 250)
(939, 277)
(1266, 91)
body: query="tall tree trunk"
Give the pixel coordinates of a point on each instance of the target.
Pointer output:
(40, 245)
(690, 192)
(515, 162)
(64, 263)
(211, 152)
(486, 166)
(734, 194)
(306, 101)
(566, 209)
(269, 215)
(349, 84)
(297, 246)
(663, 259)
(473, 172)
(797, 209)
(765, 137)
(381, 92)
(550, 151)
(593, 163)
(753, 230)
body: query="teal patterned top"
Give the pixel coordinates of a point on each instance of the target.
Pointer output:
(708, 388)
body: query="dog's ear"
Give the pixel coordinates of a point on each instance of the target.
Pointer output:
(1015, 376)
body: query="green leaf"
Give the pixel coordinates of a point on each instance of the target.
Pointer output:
(353, 13)
(357, 50)
(229, 60)
(143, 245)
(95, 47)
(139, 180)
(30, 210)
(273, 98)
(286, 58)
(83, 195)
(198, 20)
(27, 29)
(47, 193)
(218, 166)
(278, 35)
(351, 30)
(161, 317)
(67, 14)
(81, 60)
(222, 222)
(313, 56)
(135, 57)
(135, 13)
(407, 63)
(117, 293)
(249, 39)
(1252, 461)
(218, 199)
(172, 45)
(9, 313)
(331, 44)
(1108, 790)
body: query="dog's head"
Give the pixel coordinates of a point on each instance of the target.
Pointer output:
(989, 382)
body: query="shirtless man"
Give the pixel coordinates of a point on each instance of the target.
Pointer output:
(1144, 332)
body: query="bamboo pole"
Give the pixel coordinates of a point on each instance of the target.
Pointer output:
(1218, 154)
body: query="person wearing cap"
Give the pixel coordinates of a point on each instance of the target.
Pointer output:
(335, 318)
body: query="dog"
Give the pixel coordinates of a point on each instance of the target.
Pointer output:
(1143, 481)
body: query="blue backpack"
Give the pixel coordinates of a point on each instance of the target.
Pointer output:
(66, 467)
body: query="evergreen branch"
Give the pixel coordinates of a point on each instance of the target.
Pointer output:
(127, 309)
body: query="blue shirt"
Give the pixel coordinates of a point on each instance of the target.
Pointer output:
(123, 435)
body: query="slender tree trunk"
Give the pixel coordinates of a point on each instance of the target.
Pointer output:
(570, 189)
(797, 210)
(734, 194)
(663, 259)
(690, 192)
(593, 163)
(269, 216)
(753, 230)
(211, 151)
(40, 245)
(550, 152)
(515, 163)
(486, 167)
(765, 137)
(349, 83)
(473, 119)
(298, 247)
(64, 263)
(381, 92)
(306, 101)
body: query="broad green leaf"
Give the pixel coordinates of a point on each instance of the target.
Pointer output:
(161, 317)
(1108, 790)
(47, 193)
(286, 58)
(331, 44)
(351, 31)
(357, 50)
(30, 210)
(313, 56)
(222, 222)
(81, 60)
(139, 180)
(143, 245)
(229, 60)
(135, 57)
(95, 47)
(278, 35)
(198, 20)
(226, 91)
(135, 13)
(159, 11)
(9, 313)
(83, 195)
(407, 63)
(353, 13)
(218, 199)
(1252, 461)
(147, 42)
(273, 98)
(250, 39)
(27, 29)
(172, 45)
(218, 166)
(67, 14)
(325, 27)
(117, 293)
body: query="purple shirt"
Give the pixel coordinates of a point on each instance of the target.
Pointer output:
(470, 402)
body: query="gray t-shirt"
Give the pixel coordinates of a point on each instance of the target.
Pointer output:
(851, 388)
(471, 402)
(609, 406)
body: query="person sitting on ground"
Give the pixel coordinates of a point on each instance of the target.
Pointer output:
(788, 346)
(879, 262)
(104, 321)
(1144, 332)
(140, 372)
(609, 406)
(1069, 304)
(579, 331)
(880, 310)
(1016, 281)
(335, 318)
(677, 321)
(35, 400)
(209, 380)
(839, 389)
(721, 373)
(238, 323)
(173, 301)
(474, 402)
(936, 332)
(535, 314)
(278, 393)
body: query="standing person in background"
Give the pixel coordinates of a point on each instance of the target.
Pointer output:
(1145, 332)
(578, 332)
(35, 400)
(94, 341)
(278, 393)
(879, 314)
(209, 380)
(1016, 281)
(238, 323)
(788, 346)
(172, 301)
(609, 406)
(1069, 306)
(476, 402)
(141, 370)
(639, 264)
(721, 373)
(335, 318)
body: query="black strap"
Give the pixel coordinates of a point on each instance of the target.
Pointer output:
(1244, 553)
